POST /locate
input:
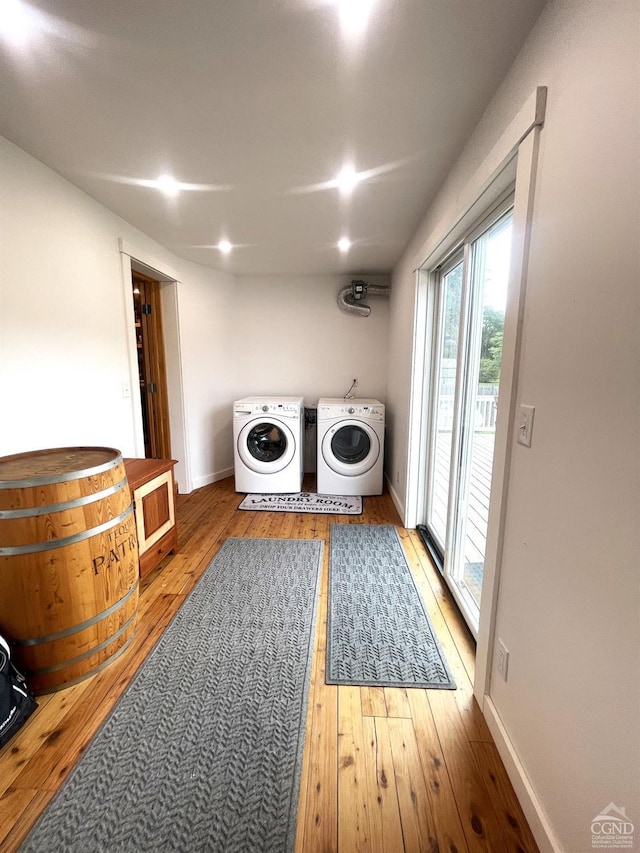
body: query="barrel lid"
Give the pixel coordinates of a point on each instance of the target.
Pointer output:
(55, 465)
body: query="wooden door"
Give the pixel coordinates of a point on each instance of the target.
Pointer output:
(151, 366)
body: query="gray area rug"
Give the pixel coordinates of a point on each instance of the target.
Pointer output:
(378, 631)
(305, 502)
(203, 751)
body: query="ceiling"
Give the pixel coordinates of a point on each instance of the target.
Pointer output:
(257, 106)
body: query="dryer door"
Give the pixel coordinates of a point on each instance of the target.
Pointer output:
(266, 445)
(350, 447)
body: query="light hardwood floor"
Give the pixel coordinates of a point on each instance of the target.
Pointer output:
(386, 770)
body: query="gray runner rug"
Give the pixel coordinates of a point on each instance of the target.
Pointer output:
(378, 631)
(203, 751)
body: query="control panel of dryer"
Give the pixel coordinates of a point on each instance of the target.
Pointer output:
(355, 409)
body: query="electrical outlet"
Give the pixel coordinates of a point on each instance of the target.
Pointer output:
(502, 659)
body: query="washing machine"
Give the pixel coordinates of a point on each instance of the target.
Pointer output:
(350, 446)
(268, 437)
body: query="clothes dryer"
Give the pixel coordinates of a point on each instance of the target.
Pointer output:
(268, 436)
(350, 446)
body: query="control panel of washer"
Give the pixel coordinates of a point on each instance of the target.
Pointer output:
(278, 408)
(251, 408)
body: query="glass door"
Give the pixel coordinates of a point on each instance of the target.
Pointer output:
(442, 412)
(470, 292)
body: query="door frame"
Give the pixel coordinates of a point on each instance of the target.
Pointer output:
(512, 160)
(134, 259)
(469, 325)
(153, 365)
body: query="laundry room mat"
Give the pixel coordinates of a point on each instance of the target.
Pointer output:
(378, 630)
(305, 502)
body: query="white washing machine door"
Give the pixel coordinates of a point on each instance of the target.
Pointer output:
(350, 447)
(266, 445)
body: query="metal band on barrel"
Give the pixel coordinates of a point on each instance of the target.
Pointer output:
(85, 675)
(50, 544)
(52, 479)
(33, 511)
(49, 638)
(45, 670)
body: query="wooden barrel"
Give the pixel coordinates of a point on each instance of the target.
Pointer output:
(68, 562)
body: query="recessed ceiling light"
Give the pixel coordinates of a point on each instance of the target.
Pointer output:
(344, 244)
(165, 182)
(17, 23)
(168, 185)
(225, 246)
(347, 179)
(354, 15)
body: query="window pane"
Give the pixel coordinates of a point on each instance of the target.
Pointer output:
(491, 253)
(443, 405)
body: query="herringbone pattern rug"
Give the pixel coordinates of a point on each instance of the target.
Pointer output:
(378, 632)
(203, 750)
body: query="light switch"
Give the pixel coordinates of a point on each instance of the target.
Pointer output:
(525, 424)
(126, 388)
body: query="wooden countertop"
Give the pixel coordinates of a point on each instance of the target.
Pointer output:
(140, 471)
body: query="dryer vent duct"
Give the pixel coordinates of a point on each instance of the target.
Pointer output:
(351, 298)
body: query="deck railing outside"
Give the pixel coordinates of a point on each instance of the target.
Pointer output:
(480, 483)
(486, 409)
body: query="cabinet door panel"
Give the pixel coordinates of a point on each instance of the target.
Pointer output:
(154, 510)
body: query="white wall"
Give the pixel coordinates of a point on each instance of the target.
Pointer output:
(63, 355)
(63, 332)
(273, 336)
(64, 335)
(569, 596)
(207, 302)
(295, 339)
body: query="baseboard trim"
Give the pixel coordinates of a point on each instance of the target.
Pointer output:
(199, 482)
(399, 505)
(531, 805)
